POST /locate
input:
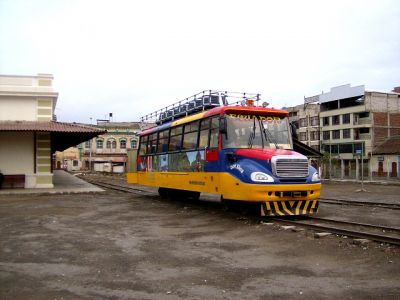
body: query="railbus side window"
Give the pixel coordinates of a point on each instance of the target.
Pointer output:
(152, 145)
(162, 145)
(143, 145)
(190, 136)
(204, 133)
(214, 132)
(175, 141)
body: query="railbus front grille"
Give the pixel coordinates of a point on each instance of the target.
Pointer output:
(291, 167)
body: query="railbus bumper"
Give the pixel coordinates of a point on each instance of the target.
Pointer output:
(289, 208)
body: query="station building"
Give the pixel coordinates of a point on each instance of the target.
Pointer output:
(29, 134)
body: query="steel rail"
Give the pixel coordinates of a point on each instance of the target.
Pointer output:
(359, 203)
(346, 232)
(119, 187)
(396, 229)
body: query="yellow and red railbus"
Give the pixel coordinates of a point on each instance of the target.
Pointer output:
(242, 152)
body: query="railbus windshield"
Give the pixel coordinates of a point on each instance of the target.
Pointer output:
(256, 131)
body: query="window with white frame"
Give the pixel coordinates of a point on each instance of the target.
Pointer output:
(133, 144)
(335, 120)
(346, 119)
(99, 144)
(335, 134)
(326, 135)
(303, 122)
(346, 133)
(111, 144)
(314, 121)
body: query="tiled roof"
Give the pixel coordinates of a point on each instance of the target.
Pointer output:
(389, 146)
(47, 127)
(119, 125)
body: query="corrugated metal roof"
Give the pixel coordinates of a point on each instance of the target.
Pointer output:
(50, 126)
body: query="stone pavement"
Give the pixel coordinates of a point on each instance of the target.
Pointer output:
(385, 192)
(64, 183)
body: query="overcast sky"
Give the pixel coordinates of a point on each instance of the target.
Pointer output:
(133, 57)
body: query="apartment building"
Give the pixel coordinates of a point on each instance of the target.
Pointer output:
(305, 119)
(353, 123)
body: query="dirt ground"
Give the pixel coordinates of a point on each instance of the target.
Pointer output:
(115, 245)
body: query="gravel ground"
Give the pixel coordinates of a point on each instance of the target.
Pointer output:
(121, 246)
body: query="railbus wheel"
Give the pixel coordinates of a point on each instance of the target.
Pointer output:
(163, 192)
(194, 195)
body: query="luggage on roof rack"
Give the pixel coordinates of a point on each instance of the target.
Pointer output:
(196, 103)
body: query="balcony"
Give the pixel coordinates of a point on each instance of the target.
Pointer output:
(363, 136)
(362, 121)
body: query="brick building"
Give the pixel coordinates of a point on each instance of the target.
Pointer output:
(353, 124)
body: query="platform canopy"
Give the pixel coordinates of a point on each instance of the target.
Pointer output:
(63, 135)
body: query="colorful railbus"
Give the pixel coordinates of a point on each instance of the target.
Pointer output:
(242, 152)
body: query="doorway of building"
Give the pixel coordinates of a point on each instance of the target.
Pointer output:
(380, 168)
(393, 173)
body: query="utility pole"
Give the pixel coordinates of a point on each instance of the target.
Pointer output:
(90, 151)
(362, 169)
(90, 155)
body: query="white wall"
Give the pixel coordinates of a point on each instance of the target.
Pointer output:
(18, 109)
(16, 153)
(387, 162)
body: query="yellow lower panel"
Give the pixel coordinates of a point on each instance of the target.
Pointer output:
(205, 182)
(132, 178)
(226, 185)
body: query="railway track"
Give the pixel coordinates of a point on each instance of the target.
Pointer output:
(120, 188)
(359, 203)
(378, 233)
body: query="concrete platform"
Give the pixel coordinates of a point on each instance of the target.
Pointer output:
(64, 183)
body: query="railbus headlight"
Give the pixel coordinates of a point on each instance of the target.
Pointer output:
(261, 177)
(315, 177)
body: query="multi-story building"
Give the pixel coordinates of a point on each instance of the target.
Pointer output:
(353, 122)
(69, 159)
(108, 152)
(305, 118)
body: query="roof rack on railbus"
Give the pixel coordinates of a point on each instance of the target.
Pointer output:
(199, 102)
